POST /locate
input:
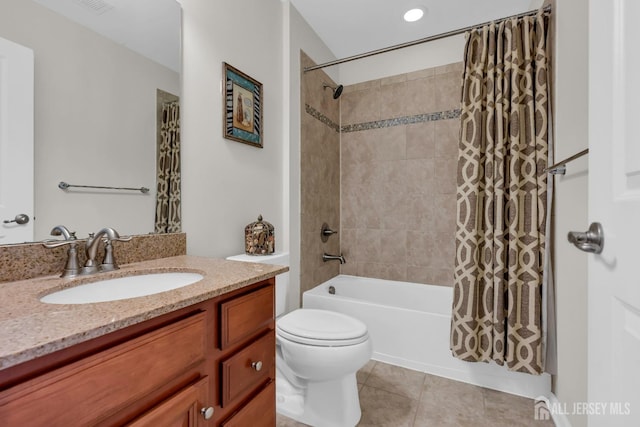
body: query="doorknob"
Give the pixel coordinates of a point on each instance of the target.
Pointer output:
(20, 219)
(590, 241)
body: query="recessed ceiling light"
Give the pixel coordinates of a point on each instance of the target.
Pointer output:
(413, 15)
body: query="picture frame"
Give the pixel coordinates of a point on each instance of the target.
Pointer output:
(242, 108)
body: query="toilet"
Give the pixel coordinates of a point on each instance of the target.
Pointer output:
(318, 353)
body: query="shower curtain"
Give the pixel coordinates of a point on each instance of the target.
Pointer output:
(502, 196)
(168, 216)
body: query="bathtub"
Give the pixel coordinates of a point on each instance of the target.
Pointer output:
(409, 326)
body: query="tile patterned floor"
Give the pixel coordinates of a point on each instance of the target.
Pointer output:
(391, 396)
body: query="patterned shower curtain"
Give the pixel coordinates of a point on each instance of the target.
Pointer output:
(502, 196)
(168, 216)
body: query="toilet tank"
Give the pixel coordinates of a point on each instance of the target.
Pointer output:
(282, 280)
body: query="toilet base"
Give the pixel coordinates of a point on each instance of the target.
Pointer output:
(319, 404)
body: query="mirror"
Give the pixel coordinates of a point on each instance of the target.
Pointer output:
(101, 69)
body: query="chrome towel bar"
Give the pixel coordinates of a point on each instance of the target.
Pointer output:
(559, 168)
(63, 186)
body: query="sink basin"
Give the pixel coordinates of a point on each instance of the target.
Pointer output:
(122, 288)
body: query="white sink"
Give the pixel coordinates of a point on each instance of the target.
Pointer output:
(122, 288)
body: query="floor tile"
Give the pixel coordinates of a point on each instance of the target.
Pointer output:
(282, 421)
(509, 410)
(363, 373)
(381, 408)
(394, 379)
(391, 396)
(452, 397)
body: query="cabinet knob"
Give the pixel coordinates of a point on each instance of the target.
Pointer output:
(256, 365)
(207, 413)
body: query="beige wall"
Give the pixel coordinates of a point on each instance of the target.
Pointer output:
(95, 122)
(398, 178)
(319, 178)
(570, 201)
(227, 184)
(415, 58)
(301, 37)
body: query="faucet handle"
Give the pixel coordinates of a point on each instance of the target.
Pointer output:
(325, 232)
(109, 262)
(71, 268)
(107, 241)
(116, 239)
(54, 243)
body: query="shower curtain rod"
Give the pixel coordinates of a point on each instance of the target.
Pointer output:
(419, 41)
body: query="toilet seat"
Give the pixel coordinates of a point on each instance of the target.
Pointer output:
(321, 328)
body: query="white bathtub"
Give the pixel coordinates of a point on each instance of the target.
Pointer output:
(409, 326)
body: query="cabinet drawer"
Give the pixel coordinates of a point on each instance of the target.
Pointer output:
(244, 316)
(248, 369)
(260, 412)
(91, 389)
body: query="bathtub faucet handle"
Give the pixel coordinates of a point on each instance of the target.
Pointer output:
(325, 232)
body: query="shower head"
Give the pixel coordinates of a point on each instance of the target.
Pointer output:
(337, 91)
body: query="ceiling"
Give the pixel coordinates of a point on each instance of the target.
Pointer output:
(347, 27)
(149, 27)
(351, 27)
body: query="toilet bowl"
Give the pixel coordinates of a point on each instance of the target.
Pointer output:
(318, 353)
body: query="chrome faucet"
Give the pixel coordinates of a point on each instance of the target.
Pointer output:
(326, 257)
(71, 268)
(108, 263)
(61, 230)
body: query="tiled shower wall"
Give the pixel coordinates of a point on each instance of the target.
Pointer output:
(399, 146)
(320, 176)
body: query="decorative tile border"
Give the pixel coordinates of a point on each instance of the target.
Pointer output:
(319, 116)
(398, 121)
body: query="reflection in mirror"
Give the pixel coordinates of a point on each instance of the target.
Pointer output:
(97, 107)
(168, 212)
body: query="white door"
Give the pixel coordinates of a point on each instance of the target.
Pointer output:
(16, 142)
(614, 201)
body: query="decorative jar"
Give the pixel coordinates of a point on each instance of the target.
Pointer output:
(259, 238)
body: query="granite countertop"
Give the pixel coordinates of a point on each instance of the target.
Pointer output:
(30, 328)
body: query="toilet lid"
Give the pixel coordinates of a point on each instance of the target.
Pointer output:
(321, 328)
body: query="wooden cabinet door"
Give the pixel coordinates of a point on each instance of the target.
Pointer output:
(259, 412)
(183, 409)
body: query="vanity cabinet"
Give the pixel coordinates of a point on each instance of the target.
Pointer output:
(210, 364)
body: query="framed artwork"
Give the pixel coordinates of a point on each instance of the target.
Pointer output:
(242, 107)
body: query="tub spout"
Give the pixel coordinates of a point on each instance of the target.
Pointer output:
(326, 257)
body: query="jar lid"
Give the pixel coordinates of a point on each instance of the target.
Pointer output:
(259, 225)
